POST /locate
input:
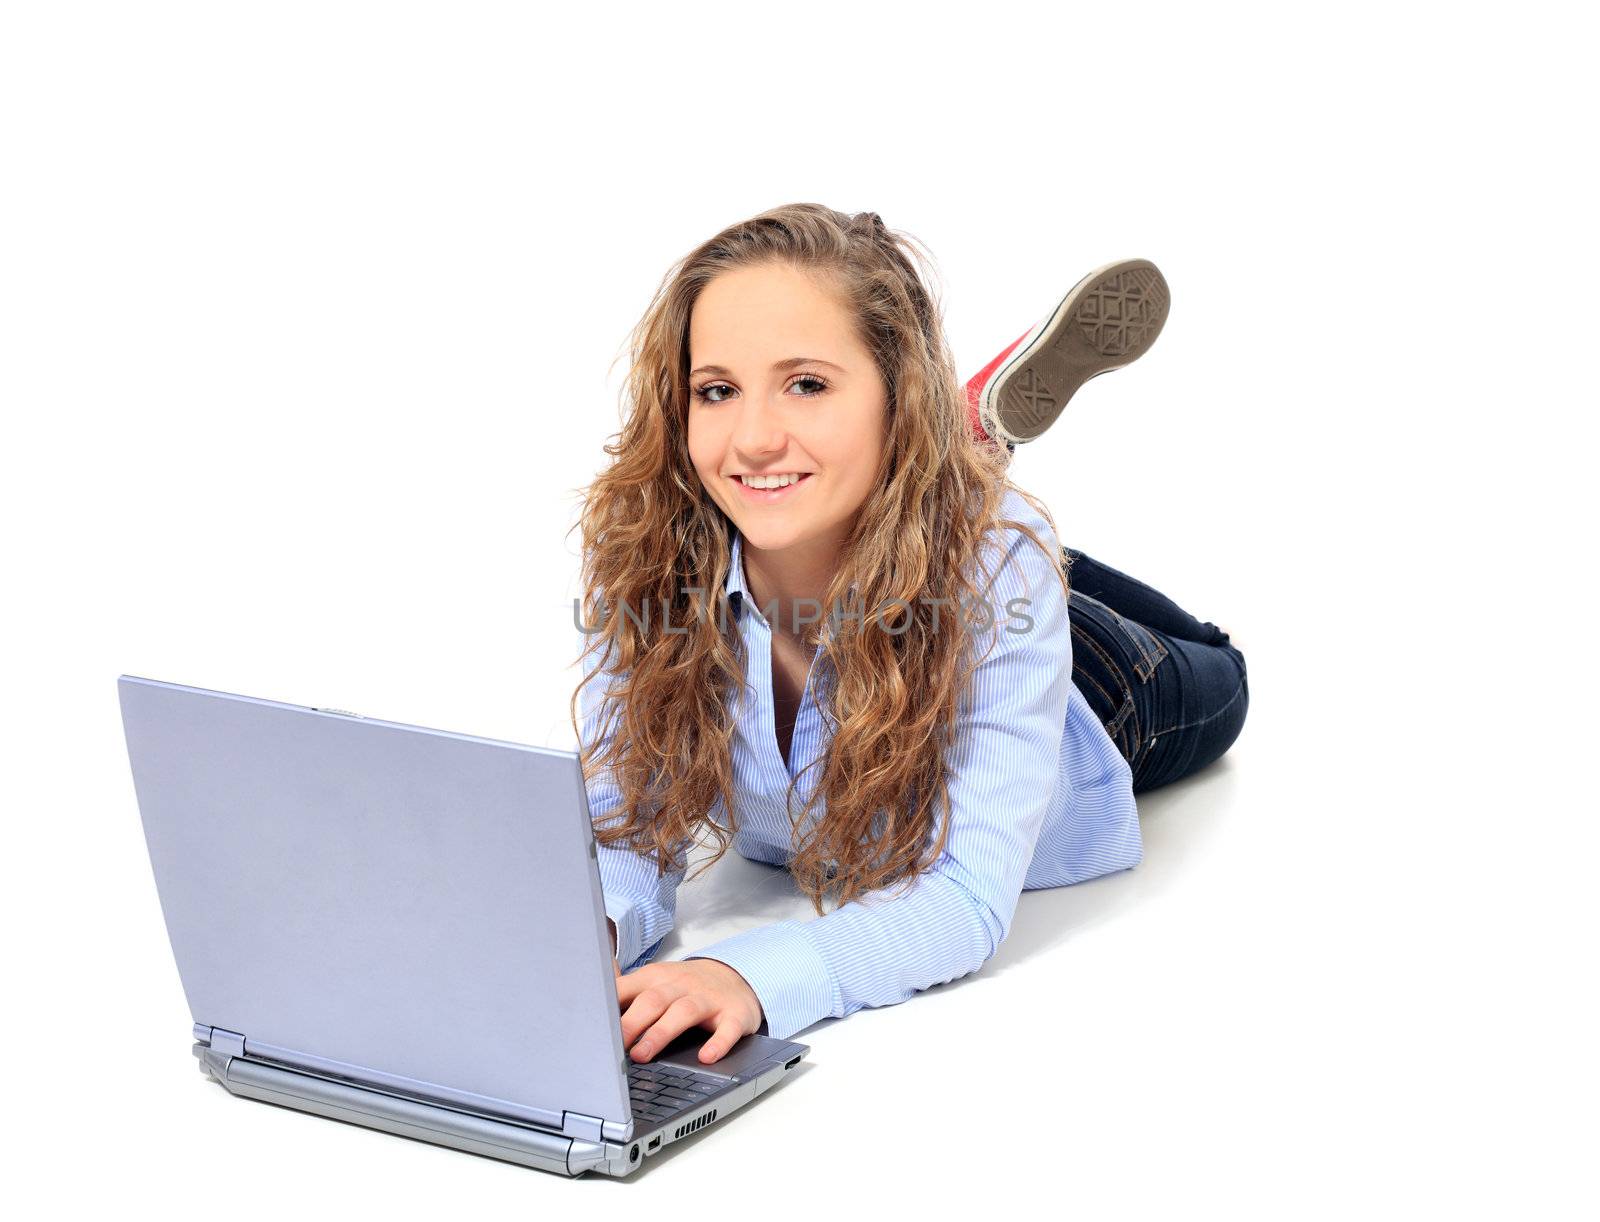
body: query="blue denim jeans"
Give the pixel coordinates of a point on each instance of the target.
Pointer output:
(1171, 691)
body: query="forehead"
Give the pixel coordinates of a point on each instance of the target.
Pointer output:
(750, 312)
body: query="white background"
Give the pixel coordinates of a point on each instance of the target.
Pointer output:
(307, 322)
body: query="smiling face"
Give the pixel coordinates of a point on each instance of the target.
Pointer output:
(780, 384)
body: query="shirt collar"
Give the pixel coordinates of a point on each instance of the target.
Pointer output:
(735, 588)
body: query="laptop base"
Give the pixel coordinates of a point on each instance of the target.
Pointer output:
(468, 1131)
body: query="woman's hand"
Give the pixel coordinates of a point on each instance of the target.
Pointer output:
(662, 1000)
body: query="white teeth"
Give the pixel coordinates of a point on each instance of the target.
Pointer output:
(769, 481)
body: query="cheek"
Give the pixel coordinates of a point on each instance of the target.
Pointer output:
(861, 452)
(704, 453)
(853, 473)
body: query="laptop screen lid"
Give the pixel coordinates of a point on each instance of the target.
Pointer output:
(406, 907)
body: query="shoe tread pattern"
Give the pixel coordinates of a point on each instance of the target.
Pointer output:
(1122, 311)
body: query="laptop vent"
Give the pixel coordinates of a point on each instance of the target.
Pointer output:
(699, 1122)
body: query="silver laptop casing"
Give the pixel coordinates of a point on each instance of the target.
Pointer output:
(400, 927)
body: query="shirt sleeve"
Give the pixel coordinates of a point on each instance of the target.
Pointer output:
(1003, 770)
(643, 904)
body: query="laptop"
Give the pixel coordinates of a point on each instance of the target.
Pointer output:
(404, 928)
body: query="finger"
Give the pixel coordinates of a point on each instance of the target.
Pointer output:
(645, 1009)
(728, 1034)
(634, 983)
(682, 1014)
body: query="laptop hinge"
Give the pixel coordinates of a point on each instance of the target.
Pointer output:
(590, 1128)
(223, 1043)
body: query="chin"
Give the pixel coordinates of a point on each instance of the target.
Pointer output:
(770, 536)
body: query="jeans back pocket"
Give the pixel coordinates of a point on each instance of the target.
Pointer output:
(1147, 651)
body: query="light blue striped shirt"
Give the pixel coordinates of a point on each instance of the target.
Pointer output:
(1040, 797)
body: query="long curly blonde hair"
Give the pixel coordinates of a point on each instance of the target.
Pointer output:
(653, 537)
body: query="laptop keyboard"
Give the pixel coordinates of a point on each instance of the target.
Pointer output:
(660, 1091)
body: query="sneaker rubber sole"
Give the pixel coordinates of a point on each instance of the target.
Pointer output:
(1109, 319)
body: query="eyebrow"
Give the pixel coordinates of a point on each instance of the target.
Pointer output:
(776, 365)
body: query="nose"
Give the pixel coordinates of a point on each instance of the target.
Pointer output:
(759, 429)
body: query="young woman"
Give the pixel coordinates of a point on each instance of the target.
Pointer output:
(821, 623)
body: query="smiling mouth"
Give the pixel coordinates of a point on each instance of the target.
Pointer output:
(767, 495)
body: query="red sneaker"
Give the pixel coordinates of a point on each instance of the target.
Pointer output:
(1107, 321)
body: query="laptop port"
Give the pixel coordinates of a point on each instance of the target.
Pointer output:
(792, 1063)
(653, 1145)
